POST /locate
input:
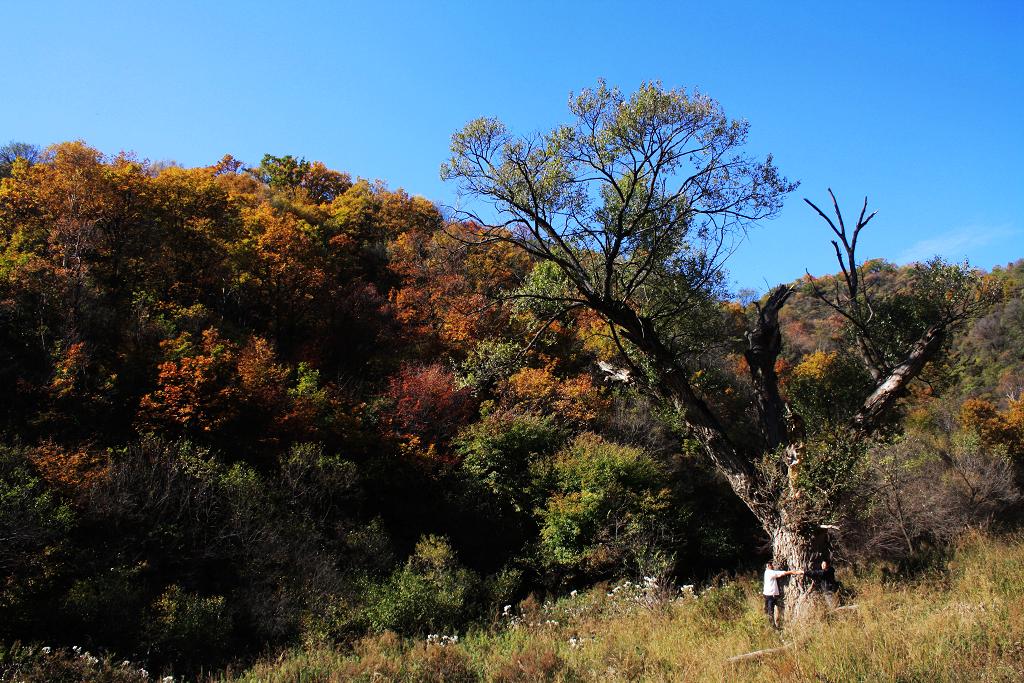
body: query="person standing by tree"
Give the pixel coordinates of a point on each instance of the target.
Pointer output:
(772, 591)
(824, 580)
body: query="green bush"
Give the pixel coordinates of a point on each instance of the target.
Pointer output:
(488, 362)
(187, 628)
(108, 603)
(500, 451)
(833, 474)
(320, 485)
(432, 592)
(501, 588)
(826, 389)
(34, 524)
(609, 509)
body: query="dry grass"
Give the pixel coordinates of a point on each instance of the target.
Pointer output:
(964, 622)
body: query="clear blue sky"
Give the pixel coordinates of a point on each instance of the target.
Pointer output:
(919, 105)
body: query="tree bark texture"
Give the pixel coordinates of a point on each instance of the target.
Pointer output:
(799, 544)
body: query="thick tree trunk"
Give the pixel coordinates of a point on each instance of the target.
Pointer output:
(798, 544)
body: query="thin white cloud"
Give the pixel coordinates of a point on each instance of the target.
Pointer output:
(957, 243)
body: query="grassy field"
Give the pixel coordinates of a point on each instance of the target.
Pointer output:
(962, 621)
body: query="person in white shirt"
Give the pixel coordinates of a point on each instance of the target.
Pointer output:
(772, 593)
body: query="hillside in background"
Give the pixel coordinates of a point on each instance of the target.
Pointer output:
(247, 407)
(984, 360)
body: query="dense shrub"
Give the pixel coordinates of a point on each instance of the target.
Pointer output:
(501, 452)
(34, 527)
(924, 493)
(188, 629)
(609, 509)
(826, 388)
(430, 593)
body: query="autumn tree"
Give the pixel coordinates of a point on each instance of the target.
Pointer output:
(85, 216)
(428, 404)
(320, 184)
(197, 392)
(636, 202)
(13, 151)
(77, 230)
(283, 265)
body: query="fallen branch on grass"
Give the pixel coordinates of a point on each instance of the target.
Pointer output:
(757, 654)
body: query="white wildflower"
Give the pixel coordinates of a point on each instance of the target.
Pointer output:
(45, 650)
(440, 639)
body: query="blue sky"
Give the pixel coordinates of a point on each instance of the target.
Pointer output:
(918, 105)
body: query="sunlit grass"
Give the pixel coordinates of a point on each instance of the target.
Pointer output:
(963, 621)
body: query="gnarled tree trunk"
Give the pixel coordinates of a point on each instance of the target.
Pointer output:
(799, 544)
(797, 541)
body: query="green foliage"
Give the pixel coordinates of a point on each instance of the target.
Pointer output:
(108, 601)
(307, 382)
(282, 172)
(990, 356)
(489, 362)
(188, 628)
(34, 525)
(431, 593)
(608, 509)
(826, 389)
(501, 452)
(893, 309)
(638, 234)
(318, 483)
(543, 292)
(501, 588)
(926, 294)
(833, 474)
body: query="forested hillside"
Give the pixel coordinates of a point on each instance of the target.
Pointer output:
(244, 407)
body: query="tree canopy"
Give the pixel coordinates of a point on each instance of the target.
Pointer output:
(637, 201)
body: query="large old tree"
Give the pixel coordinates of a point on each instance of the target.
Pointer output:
(637, 202)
